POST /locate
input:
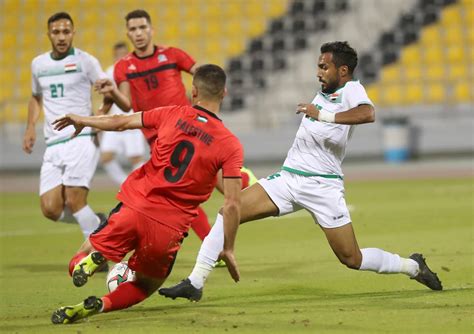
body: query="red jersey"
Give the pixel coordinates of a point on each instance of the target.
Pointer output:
(193, 145)
(155, 80)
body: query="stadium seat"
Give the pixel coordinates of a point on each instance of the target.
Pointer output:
(392, 94)
(410, 55)
(413, 94)
(435, 73)
(435, 93)
(463, 92)
(433, 55)
(413, 73)
(390, 74)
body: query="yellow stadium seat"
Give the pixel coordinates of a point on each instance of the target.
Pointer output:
(435, 93)
(374, 94)
(392, 94)
(430, 35)
(453, 34)
(255, 27)
(9, 41)
(413, 93)
(463, 91)
(451, 15)
(276, 7)
(455, 53)
(433, 55)
(457, 71)
(411, 55)
(435, 73)
(391, 74)
(468, 16)
(412, 73)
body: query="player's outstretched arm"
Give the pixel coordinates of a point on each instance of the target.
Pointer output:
(34, 109)
(106, 123)
(231, 213)
(364, 113)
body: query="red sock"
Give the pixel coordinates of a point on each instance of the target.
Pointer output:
(200, 225)
(75, 260)
(126, 295)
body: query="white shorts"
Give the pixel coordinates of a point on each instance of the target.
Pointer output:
(323, 198)
(71, 163)
(131, 143)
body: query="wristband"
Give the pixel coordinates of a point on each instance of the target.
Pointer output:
(326, 116)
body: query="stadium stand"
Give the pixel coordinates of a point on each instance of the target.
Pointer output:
(433, 65)
(228, 26)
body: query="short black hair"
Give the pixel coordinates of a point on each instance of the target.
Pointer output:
(60, 16)
(120, 45)
(210, 80)
(342, 54)
(137, 14)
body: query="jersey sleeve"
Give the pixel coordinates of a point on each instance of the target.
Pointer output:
(153, 118)
(35, 85)
(356, 96)
(93, 69)
(233, 159)
(120, 74)
(184, 61)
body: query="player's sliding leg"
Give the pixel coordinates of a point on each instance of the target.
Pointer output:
(255, 205)
(84, 250)
(87, 267)
(344, 244)
(126, 295)
(200, 224)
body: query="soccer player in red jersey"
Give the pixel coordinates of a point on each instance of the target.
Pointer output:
(150, 77)
(160, 199)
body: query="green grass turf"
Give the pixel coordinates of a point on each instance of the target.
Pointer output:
(291, 281)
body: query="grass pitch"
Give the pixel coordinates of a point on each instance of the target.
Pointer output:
(291, 281)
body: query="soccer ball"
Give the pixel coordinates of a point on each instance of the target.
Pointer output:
(120, 273)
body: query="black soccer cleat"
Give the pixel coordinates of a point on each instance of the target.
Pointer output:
(183, 289)
(86, 268)
(425, 275)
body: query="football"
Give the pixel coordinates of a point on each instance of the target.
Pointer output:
(120, 273)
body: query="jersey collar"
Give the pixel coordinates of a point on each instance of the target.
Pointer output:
(69, 53)
(154, 52)
(210, 113)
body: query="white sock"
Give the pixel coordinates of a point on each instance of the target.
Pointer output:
(67, 217)
(211, 246)
(87, 219)
(137, 165)
(115, 171)
(382, 262)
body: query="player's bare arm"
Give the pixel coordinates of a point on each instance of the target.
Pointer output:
(361, 114)
(192, 70)
(231, 214)
(119, 95)
(34, 109)
(106, 123)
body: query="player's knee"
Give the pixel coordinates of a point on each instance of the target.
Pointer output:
(50, 211)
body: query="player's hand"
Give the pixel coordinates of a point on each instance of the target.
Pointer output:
(29, 139)
(66, 120)
(308, 109)
(232, 267)
(104, 86)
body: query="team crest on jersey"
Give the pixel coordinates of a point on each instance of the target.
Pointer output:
(333, 97)
(70, 68)
(162, 58)
(132, 67)
(202, 119)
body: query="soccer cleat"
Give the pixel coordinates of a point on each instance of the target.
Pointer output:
(183, 289)
(425, 275)
(86, 268)
(220, 264)
(69, 314)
